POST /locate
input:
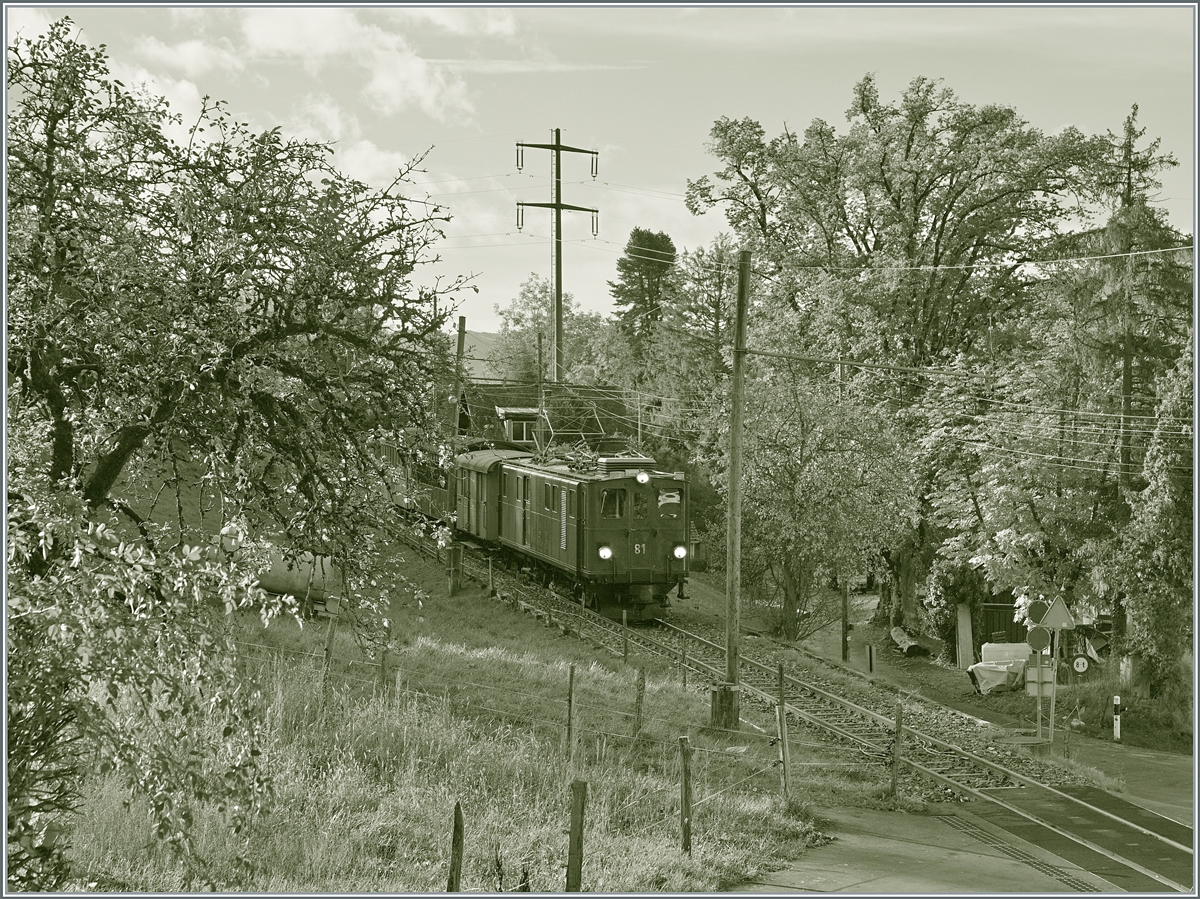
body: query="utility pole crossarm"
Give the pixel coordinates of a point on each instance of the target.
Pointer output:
(561, 206)
(521, 143)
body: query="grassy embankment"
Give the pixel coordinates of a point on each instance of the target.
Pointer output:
(366, 784)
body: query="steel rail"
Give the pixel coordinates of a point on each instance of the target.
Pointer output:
(571, 607)
(967, 756)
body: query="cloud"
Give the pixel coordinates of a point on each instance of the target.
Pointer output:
(462, 22)
(320, 118)
(398, 77)
(523, 66)
(182, 95)
(27, 23)
(368, 163)
(193, 58)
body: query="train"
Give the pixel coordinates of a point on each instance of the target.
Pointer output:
(612, 531)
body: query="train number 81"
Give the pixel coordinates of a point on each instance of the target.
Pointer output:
(639, 549)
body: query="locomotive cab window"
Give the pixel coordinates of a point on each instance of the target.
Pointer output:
(548, 496)
(641, 504)
(669, 503)
(612, 503)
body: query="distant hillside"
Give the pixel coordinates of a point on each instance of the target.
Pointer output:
(479, 347)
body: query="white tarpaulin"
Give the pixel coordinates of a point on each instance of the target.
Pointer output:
(996, 677)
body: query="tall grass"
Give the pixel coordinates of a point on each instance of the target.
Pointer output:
(366, 784)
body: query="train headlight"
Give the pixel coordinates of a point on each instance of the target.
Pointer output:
(679, 552)
(643, 477)
(606, 552)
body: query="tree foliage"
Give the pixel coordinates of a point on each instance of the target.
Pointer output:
(643, 289)
(233, 322)
(590, 340)
(926, 236)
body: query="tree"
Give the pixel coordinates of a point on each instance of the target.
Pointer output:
(824, 482)
(229, 322)
(530, 313)
(643, 289)
(1154, 564)
(901, 241)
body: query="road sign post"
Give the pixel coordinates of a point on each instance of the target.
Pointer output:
(1038, 639)
(1046, 622)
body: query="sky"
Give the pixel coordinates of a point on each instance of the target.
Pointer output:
(642, 85)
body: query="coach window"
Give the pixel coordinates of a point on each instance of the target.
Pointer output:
(641, 505)
(612, 503)
(668, 503)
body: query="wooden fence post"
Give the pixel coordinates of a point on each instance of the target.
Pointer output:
(454, 567)
(685, 793)
(896, 750)
(571, 715)
(328, 653)
(575, 843)
(785, 758)
(385, 681)
(639, 699)
(456, 851)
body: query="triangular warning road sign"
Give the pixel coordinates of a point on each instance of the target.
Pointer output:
(1058, 617)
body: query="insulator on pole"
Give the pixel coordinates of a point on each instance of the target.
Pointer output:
(520, 157)
(595, 165)
(595, 223)
(520, 217)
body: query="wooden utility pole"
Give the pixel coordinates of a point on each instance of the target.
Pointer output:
(539, 435)
(558, 148)
(458, 373)
(725, 697)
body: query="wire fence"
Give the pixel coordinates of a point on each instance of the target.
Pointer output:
(600, 723)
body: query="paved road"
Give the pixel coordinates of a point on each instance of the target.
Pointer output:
(954, 851)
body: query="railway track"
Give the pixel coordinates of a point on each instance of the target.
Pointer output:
(1126, 846)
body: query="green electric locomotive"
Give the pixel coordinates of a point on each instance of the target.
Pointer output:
(615, 535)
